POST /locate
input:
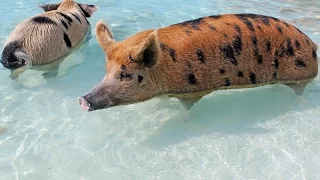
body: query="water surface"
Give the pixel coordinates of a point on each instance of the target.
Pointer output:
(261, 133)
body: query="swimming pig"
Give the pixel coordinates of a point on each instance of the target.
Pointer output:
(191, 59)
(47, 38)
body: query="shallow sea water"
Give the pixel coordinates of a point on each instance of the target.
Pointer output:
(260, 133)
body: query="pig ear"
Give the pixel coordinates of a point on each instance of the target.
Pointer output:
(147, 53)
(49, 7)
(104, 35)
(88, 9)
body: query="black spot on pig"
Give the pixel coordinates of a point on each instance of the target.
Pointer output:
(189, 65)
(168, 49)
(256, 50)
(259, 27)
(64, 24)
(140, 78)
(215, 17)
(76, 16)
(308, 42)
(279, 28)
(276, 66)
(290, 51)
(212, 27)
(86, 19)
(254, 40)
(240, 74)
(237, 45)
(268, 46)
(67, 40)
(192, 79)
(200, 55)
(253, 16)
(275, 75)
(297, 44)
(227, 82)
(237, 29)
(68, 18)
(43, 20)
(280, 52)
(84, 13)
(275, 19)
(314, 54)
(300, 63)
(265, 20)
(188, 32)
(246, 21)
(222, 71)
(300, 31)
(123, 67)
(276, 63)
(227, 52)
(249, 24)
(253, 78)
(258, 56)
(285, 23)
(192, 23)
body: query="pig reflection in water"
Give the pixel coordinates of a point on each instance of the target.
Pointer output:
(191, 59)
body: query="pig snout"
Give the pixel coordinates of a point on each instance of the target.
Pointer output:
(100, 97)
(84, 104)
(13, 57)
(90, 103)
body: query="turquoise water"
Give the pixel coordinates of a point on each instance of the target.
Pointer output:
(261, 133)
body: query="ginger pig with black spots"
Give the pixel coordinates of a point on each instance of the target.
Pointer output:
(191, 59)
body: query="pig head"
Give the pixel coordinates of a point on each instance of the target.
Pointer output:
(131, 70)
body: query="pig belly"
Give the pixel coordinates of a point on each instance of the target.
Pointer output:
(297, 86)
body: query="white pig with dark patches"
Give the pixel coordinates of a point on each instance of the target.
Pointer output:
(44, 40)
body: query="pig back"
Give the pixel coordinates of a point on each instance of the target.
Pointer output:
(50, 36)
(233, 51)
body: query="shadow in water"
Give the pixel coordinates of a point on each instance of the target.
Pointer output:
(228, 113)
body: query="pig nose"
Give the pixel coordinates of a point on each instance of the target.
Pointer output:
(84, 104)
(4, 64)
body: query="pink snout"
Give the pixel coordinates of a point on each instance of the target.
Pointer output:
(84, 104)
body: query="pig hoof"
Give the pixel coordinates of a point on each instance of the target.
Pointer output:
(14, 77)
(50, 74)
(185, 115)
(302, 103)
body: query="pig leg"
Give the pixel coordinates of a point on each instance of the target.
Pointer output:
(298, 87)
(188, 103)
(185, 115)
(51, 73)
(16, 73)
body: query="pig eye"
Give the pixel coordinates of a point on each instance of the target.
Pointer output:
(125, 76)
(140, 78)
